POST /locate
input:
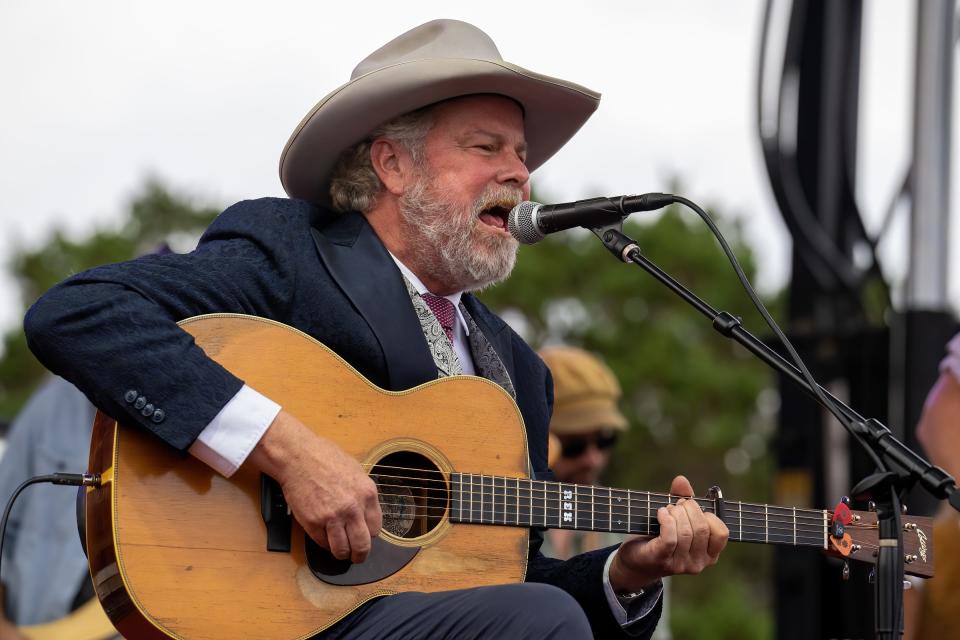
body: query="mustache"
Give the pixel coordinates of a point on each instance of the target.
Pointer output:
(502, 196)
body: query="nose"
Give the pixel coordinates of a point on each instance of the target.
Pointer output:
(593, 457)
(514, 171)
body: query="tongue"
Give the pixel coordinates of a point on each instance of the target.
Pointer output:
(492, 220)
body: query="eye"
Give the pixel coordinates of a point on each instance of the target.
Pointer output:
(489, 148)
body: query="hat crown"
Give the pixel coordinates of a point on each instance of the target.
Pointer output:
(578, 374)
(451, 39)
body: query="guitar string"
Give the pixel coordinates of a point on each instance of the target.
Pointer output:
(603, 509)
(640, 503)
(813, 513)
(804, 537)
(554, 489)
(808, 538)
(601, 512)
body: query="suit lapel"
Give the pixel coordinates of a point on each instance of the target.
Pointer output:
(364, 271)
(495, 330)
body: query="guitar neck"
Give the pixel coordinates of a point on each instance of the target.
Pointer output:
(496, 500)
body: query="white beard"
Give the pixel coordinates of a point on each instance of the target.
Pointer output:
(449, 241)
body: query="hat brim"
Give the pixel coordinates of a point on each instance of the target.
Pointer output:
(554, 110)
(585, 417)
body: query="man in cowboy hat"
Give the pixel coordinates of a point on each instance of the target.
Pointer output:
(401, 181)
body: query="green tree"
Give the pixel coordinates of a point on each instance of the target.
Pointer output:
(156, 215)
(691, 394)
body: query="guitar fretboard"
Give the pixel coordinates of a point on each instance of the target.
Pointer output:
(497, 500)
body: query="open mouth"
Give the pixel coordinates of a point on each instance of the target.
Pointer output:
(495, 216)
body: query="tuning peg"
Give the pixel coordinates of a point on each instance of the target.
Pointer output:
(903, 508)
(907, 585)
(871, 506)
(873, 576)
(845, 500)
(845, 574)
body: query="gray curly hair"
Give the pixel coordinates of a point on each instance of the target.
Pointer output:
(354, 185)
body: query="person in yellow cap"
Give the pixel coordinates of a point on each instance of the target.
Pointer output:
(584, 429)
(586, 420)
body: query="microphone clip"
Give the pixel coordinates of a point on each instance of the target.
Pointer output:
(616, 242)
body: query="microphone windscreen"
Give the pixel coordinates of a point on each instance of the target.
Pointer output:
(522, 223)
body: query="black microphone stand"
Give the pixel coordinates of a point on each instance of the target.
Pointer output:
(883, 488)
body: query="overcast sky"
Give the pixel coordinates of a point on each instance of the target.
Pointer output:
(96, 95)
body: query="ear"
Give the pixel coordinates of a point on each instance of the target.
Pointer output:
(393, 164)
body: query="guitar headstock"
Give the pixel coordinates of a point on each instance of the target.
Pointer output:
(861, 537)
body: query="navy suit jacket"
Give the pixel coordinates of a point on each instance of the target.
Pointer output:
(112, 332)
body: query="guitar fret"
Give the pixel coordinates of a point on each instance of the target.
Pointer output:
(649, 516)
(531, 503)
(572, 489)
(518, 501)
(568, 507)
(481, 499)
(766, 524)
(740, 520)
(794, 526)
(826, 529)
(492, 503)
(593, 509)
(628, 511)
(610, 509)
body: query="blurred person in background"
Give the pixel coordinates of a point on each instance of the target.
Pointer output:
(585, 426)
(45, 573)
(932, 607)
(45, 576)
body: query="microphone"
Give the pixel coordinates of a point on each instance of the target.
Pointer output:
(530, 222)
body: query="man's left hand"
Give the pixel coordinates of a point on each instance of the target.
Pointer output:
(689, 542)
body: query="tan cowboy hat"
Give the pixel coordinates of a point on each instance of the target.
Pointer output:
(436, 61)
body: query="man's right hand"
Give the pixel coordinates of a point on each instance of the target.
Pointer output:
(329, 493)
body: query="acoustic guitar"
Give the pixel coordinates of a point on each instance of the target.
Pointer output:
(177, 551)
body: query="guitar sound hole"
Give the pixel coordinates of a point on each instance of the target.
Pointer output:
(413, 493)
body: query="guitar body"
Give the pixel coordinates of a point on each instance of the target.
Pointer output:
(178, 551)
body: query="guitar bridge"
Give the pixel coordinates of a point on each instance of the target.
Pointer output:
(276, 514)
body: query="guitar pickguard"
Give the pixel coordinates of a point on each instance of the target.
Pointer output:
(384, 560)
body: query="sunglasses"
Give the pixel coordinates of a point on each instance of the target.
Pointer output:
(575, 446)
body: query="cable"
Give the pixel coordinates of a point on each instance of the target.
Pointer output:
(70, 479)
(824, 399)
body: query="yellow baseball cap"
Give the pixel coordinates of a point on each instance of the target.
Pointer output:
(585, 392)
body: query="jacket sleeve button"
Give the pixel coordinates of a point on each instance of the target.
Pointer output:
(158, 416)
(147, 410)
(130, 396)
(140, 403)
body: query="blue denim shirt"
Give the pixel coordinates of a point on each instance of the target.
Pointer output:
(43, 562)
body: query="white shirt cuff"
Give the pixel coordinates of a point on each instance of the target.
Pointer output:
(233, 433)
(640, 605)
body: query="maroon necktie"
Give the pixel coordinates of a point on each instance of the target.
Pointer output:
(443, 310)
